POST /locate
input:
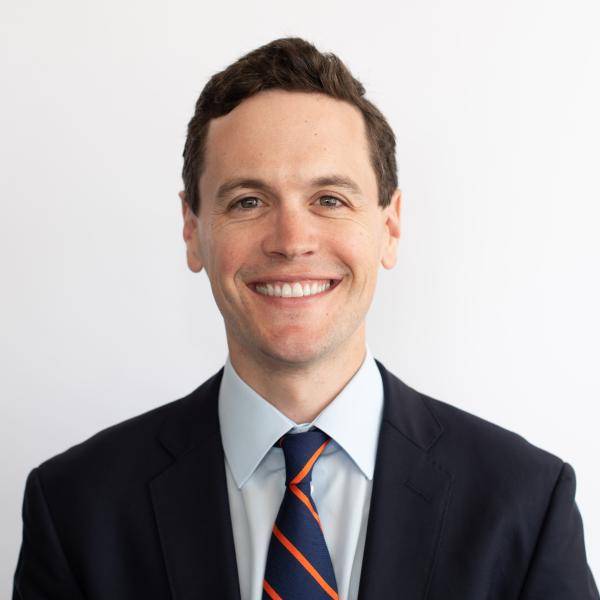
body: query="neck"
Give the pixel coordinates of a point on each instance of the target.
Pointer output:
(300, 390)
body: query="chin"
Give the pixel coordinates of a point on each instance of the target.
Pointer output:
(295, 349)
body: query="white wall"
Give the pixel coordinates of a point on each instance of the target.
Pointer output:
(493, 306)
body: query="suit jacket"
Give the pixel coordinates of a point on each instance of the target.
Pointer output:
(461, 509)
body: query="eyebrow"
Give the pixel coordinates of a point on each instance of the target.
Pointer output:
(333, 180)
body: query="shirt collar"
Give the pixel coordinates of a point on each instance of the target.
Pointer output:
(250, 425)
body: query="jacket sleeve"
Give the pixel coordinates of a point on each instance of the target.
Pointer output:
(42, 571)
(558, 569)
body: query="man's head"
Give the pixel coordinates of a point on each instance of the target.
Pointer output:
(290, 176)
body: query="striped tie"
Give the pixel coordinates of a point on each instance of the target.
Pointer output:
(298, 563)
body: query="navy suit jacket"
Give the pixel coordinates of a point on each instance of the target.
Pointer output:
(461, 509)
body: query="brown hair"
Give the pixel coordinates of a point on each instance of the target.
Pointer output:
(291, 64)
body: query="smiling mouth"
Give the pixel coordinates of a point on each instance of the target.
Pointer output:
(294, 290)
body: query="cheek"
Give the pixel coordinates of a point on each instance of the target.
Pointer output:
(359, 249)
(227, 256)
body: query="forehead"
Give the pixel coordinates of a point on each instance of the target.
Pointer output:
(288, 136)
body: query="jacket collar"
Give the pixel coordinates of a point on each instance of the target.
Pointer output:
(197, 416)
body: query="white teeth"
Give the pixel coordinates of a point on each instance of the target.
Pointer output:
(292, 290)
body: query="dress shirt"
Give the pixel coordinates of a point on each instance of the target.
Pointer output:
(342, 478)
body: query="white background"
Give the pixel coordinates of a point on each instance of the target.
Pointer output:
(493, 306)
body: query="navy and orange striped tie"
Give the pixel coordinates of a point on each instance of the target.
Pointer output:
(298, 563)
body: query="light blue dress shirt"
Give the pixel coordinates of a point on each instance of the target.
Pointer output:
(342, 477)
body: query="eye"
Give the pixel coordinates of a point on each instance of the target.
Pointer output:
(242, 203)
(332, 205)
(249, 202)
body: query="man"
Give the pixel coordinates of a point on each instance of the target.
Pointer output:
(303, 468)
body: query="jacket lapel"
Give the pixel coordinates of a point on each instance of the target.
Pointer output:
(191, 503)
(409, 499)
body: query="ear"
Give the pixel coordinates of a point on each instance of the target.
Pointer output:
(190, 235)
(392, 230)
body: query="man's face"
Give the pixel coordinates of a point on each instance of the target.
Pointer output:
(285, 231)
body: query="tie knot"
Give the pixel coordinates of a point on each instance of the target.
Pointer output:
(301, 451)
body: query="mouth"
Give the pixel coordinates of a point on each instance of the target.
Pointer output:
(294, 291)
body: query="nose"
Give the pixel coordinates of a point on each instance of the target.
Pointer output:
(291, 234)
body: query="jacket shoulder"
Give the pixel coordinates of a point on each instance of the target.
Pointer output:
(457, 436)
(481, 449)
(126, 451)
(123, 445)
(480, 433)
